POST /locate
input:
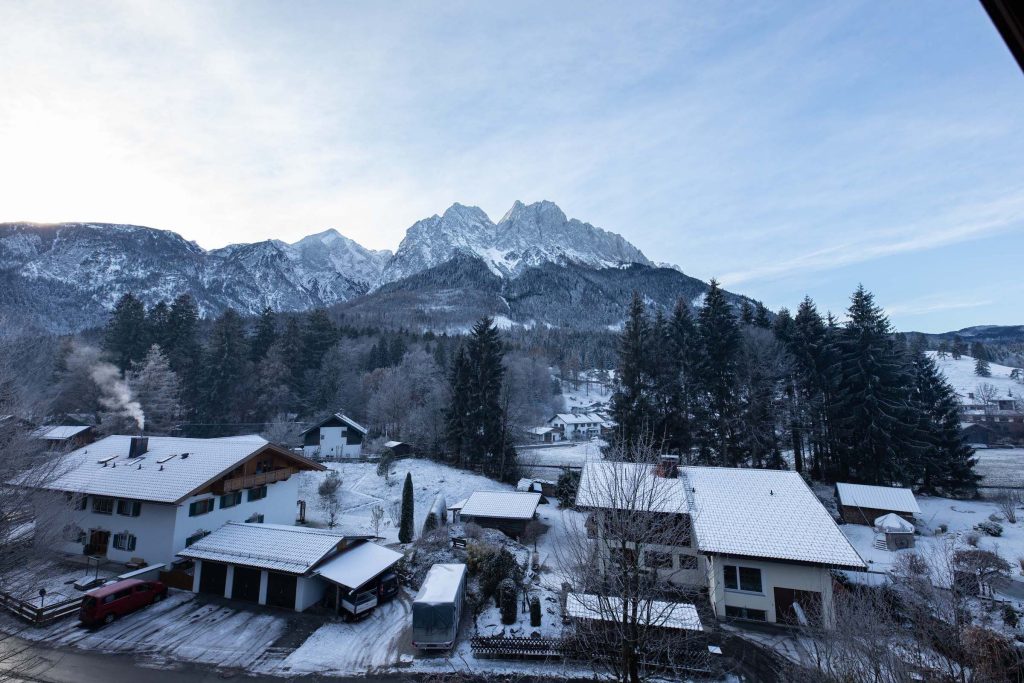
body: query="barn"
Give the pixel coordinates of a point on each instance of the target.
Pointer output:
(863, 504)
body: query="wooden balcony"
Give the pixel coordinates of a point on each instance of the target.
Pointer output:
(254, 480)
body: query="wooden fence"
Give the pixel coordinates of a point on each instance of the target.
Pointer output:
(39, 616)
(508, 647)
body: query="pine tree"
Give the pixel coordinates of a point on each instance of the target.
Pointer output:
(126, 337)
(488, 436)
(981, 368)
(631, 401)
(717, 405)
(405, 528)
(158, 324)
(948, 462)
(319, 335)
(784, 326)
(959, 348)
(875, 429)
(264, 335)
(943, 350)
(457, 415)
(746, 313)
(761, 317)
(158, 391)
(224, 374)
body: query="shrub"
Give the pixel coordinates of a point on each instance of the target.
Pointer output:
(1020, 561)
(472, 530)
(1009, 615)
(989, 527)
(566, 487)
(498, 567)
(972, 538)
(508, 601)
(535, 611)
(995, 517)
(943, 528)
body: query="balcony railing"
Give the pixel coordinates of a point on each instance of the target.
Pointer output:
(254, 480)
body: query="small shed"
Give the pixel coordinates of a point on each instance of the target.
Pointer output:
(65, 436)
(399, 449)
(862, 504)
(361, 577)
(337, 436)
(534, 486)
(899, 533)
(543, 435)
(506, 511)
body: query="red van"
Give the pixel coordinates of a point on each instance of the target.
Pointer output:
(114, 600)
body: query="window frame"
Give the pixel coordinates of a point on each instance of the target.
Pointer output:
(127, 539)
(664, 555)
(249, 494)
(735, 573)
(98, 500)
(207, 504)
(134, 507)
(230, 500)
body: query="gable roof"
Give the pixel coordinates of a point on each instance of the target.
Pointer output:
(290, 549)
(877, 497)
(354, 566)
(893, 524)
(59, 432)
(673, 615)
(501, 504)
(769, 514)
(581, 419)
(169, 471)
(630, 485)
(337, 416)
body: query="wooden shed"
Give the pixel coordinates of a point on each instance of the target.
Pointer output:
(863, 504)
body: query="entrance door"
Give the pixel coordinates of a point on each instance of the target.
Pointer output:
(98, 542)
(281, 590)
(246, 584)
(786, 612)
(212, 577)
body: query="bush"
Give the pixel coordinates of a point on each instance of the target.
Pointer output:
(995, 517)
(508, 601)
(493, 565)
(405, 530)
(472, 530)
(972, 538)
(943, 528)
(535, 611)
(1009, 616)
(989, 527)
(566, 488)
(430, 523)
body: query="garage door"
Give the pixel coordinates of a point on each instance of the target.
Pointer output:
(281, 590)
(212, 576)
(246, 584)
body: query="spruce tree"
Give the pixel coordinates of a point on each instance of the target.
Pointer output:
(457, 415)
(680, 353)
(405, 528)
(811, 348)
(981, 367)
(717, 405)
(761, 317)
(875, 427)
(948, 462)
(631, 400)
(158, 319)
(224, 374)
(746, 313)
(126, 337)
(264, 335)
(319, 335)
(488, 437)
(959, 348)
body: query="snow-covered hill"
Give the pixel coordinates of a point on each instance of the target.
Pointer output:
(961, 376)
(526, 236)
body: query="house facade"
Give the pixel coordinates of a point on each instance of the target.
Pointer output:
(130, 498)
(758, 541)
(577, 427)
(338, 436)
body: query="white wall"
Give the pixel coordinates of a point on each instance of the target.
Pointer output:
(309, 590)
(773, 574)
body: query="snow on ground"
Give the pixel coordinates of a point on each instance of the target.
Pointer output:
(1000, 467)
(56, 577)
(362, 490)
(545, 462)
(589, 389)
(960, 375)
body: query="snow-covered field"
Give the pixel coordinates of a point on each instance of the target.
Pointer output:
(1000, 467)
(960, 375)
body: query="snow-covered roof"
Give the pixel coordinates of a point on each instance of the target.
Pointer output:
(525, 485)
(580, 419)
(540, 431)
(675, 615)
(501, 504)
(877, 497)
(441, 585)
(290, 549)
(764, 513)
(338, 416)
(458, 505)
(358, 564)
(893, 524)
(59, 432)
(392, 444)
(169, 471)
(627, 485)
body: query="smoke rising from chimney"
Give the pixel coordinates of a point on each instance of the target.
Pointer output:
(115, 394)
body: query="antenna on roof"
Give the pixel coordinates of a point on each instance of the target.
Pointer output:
(771, 492)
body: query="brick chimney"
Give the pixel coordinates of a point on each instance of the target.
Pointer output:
(138, 446)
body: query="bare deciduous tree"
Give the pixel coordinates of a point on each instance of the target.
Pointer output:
(376, 517)
(1008, 501)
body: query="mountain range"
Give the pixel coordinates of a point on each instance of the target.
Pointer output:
(534, 266)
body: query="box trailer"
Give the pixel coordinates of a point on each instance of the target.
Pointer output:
(437, 609)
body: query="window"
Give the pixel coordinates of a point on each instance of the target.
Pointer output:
(258, 493)
(654, 559)
(200, 507)
(129, 508)
(742, 578)
(103, 506)
(124, 541)
(230, 500)
(745, 613)
(622, 556)
(687, 561)
(255, 518)
(195, 537)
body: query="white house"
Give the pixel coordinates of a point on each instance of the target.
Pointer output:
(576, 427)
(127, 498)
(292, 567)
(759, 541)
(338, 436)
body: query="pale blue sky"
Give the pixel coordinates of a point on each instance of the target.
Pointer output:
(783, 148)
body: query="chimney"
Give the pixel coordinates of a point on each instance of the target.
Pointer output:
(668, 467)
(139, 445)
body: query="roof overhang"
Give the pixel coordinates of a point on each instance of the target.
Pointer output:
(303, 463)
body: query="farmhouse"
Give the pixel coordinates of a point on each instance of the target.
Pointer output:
(759, 541)
(577, 427)
(132, 498)
(862, 504)
(507, 511)
(338, 436)
(292, 567)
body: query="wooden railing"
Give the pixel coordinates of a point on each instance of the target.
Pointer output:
(254, 480)
(509, 647)
(40, 615)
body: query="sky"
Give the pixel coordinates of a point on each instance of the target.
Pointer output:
(783, 148)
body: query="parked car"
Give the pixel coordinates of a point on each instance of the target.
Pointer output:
(106, 603)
